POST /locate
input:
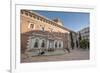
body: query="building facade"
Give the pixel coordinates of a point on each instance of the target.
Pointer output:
(85, 33)
(41, 33)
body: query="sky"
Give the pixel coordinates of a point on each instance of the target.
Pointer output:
(74, 21)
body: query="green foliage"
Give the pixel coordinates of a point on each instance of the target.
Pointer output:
(72, 42)
(84, 44)
(80, 39)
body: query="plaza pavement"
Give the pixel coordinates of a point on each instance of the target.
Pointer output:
(75, 54)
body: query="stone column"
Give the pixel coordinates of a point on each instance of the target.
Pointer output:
(39, 43)
(47, 44)
(57, 44)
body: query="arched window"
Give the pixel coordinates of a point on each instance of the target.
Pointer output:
(43, 44)
(59, 45)
(56, 45)
(36, 43)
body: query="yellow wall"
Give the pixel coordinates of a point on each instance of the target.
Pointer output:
(25, 20)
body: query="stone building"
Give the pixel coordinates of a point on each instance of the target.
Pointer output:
(41, 33)
(84, 34)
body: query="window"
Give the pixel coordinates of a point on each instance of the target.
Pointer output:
(36, 43)
(41, 28)
(56, 45)
(43, 44)
(60, 45)
(31, 26)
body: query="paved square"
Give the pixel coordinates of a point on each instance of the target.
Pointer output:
(73, 55)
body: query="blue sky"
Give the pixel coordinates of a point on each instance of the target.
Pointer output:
(71, 20)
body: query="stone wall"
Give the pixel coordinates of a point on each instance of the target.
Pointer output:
(35, 25)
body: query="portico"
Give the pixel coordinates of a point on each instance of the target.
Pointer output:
(42, 43)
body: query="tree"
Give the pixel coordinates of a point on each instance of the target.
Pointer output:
(88, 45)
(72, 43)
(80, 38)
(84, 44)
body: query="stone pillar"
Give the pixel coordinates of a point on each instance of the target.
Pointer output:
(51, 44)
(47, 44)
(39, 43)
(57, 44)
(62, 44)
